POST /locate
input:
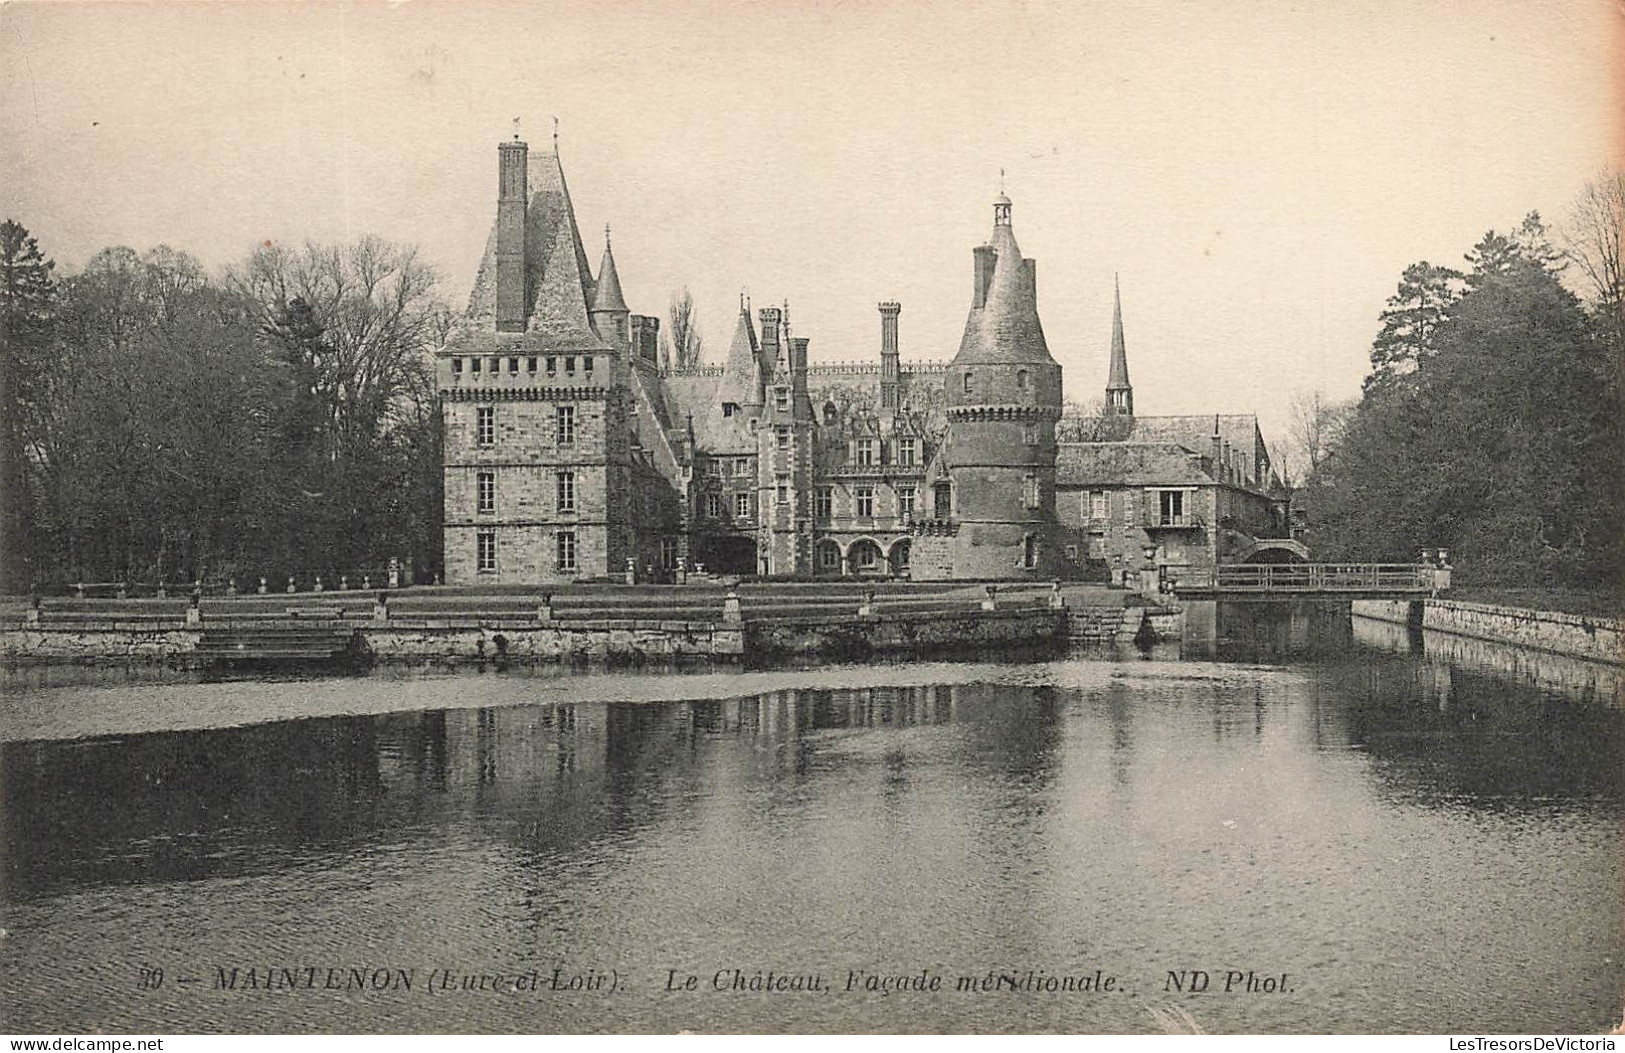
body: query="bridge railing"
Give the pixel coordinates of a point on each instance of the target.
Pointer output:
(1323, 577)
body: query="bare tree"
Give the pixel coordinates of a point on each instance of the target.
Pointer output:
(1593, 237)
(1089, 422)
(686, 346)
(1316, 424)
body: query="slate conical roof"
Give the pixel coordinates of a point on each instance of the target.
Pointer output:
(1118, 377)
(741, 373)
(1006, 329)
(607, 294)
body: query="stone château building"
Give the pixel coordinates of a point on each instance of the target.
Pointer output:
(571, 454)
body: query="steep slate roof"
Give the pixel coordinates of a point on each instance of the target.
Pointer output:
(607, 295)
(1195, 432)
(1083, 464)
(1006, 328)
(741, 373)
(563, 287)
(1118, 377)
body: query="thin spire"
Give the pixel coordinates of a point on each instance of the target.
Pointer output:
(1117, 379)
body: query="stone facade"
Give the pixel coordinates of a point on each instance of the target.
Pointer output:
(572, 454)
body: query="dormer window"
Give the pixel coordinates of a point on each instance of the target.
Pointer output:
(865, 453)
(781, 398)
(830, 413)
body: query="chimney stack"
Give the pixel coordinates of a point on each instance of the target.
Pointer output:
(985, 257)
(798, 366)
(512, 187)
(888, 354)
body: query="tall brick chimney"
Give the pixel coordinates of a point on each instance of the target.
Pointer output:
(888, 354)
(985, 255)
(512, 182)
(798, 366)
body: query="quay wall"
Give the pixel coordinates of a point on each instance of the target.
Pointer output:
(462, 639)
(856, 637)
(1595, 639)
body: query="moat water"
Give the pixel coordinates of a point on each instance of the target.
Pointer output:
(1347, 832)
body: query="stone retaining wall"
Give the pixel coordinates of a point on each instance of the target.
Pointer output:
(1596, 639)
(857, 637)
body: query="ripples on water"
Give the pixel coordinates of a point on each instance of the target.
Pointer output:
(1419, 844)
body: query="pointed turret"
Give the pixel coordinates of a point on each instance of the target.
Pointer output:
(610, 316)
(1119, 393)
(607, 294)
(1003, 324)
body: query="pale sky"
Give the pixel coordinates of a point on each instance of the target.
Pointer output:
(1258, 173)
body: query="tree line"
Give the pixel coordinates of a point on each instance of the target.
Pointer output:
(163, 424)
(1490, 423)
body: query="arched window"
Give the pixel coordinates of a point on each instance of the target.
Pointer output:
(1021, 380)
(831, 414)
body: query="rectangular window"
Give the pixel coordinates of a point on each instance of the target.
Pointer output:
(456, 365)
(824, 502)
(569, 363)
(1071, 553)
(1097, 504)
(552, 365)
(473, 365)
(1029, 434)
(866, 502)
(713, 505)
(742, 467)
(784, 438)
(485, 493)
(485, 425)
(1173, 507)
(741, 506)
(530, 364)
(565, 418)
(486, 551)
(829, 556)
(567, 551)
(586, 363)
(865, 452)
(1029, 490)
(668, 553)
(566, 487)
(513, 364)
(905, 503)
(905, 453)
(784, 489)
(714, 467)
(781, 398)
(493, 365)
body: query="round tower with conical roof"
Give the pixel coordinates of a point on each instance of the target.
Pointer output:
(993, 482)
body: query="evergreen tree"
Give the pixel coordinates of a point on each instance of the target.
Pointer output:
(1409, 325)
(28, 295)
